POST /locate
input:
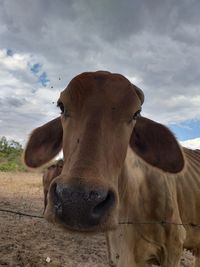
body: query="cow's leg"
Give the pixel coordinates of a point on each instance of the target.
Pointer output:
(174, 246)
(197, 261)
(197, 257)
(120, 252)
(173, 257)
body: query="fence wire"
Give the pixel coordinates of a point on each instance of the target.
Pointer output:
(22, 213)
(163, 223)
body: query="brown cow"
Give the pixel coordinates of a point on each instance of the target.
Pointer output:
(49, 174)
(122, 174)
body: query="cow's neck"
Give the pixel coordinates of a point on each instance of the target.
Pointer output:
(141, 190)
(133, 184)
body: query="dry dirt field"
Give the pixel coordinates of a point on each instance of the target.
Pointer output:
(32, 242)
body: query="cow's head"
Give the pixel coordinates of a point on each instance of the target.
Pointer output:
(99, 120)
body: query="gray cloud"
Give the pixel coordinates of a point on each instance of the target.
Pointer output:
(155, 42)
(12, 102)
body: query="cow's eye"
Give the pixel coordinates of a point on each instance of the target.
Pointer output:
(61, 106)
(136, 115)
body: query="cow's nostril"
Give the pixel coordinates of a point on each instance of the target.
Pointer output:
(100, 209)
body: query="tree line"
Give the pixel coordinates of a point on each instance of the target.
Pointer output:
(11, 153)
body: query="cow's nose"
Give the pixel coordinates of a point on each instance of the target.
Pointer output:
(79, 207)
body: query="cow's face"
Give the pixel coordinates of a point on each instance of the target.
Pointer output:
(99, 112)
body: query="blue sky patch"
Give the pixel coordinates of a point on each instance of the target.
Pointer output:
(186, 130)
(36, 68)
(43, 79)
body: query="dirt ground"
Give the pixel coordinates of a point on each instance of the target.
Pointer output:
(32, 242)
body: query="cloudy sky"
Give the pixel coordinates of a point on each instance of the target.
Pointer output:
(44, 44)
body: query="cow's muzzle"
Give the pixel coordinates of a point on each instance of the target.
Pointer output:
(82, 208)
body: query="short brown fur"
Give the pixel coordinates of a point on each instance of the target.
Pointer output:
(49, 174)
(107, 146)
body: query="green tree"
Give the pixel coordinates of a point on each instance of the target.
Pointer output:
(10, 155)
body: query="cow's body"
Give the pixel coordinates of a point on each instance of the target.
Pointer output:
(123, 174)
(188, 198)
(157, 197)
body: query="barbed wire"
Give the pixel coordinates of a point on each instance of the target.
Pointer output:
(22, 213)
(123, 223)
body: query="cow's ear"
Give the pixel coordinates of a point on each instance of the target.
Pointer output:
(44, 144)
(154, 143)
